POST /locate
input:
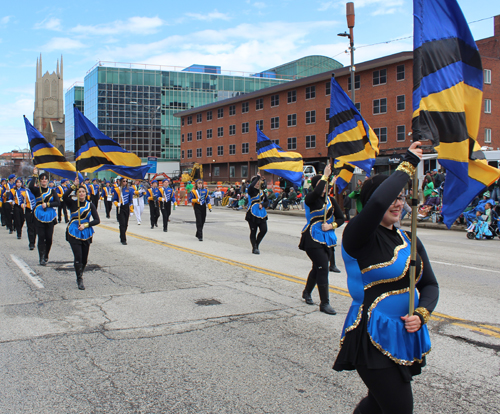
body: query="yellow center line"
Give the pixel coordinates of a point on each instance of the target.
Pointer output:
(473, 326)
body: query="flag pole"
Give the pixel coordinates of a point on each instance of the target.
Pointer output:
(78, 203)
(413, 254)
(326, 193)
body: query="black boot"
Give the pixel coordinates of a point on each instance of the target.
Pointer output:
(41, 254)
(79, 275)
(333, 267)
(324, 296)
(306, 294)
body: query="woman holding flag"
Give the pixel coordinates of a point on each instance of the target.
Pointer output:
(83, 216)
(257, 213)
(379, 340)
(200, 199)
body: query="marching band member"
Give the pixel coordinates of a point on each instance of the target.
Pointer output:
(122, 199)
(79, 231)
(7, 207)
(139, 192)
(94, 196)
(167, 197)
(107, 196)
(88, 186)
(199, 198)
(29, 215)
(2, 205)
(154, 208)
(61, 189)
(318, 237)
(256, 213)
(17, 198)
(45, 214)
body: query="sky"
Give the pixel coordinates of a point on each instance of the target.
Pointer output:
(240, 36)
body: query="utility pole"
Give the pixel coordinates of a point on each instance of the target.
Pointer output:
(350, 35)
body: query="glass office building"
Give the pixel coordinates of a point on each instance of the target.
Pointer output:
(74, 95)
(302, 68)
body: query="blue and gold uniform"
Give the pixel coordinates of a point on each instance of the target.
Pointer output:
(30, 217)
(200, 200)
(122, 198)
(257, 214)
(107, 197)
(154, 204)
(167, 197)
(17, 197)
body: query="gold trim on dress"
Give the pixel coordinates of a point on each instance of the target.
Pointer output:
(354, 325)
(394, 258)
(383, 296)
(406, 167)
(394, 279)
(424, 313)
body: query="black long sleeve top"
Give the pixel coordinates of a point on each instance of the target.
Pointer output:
(73, 206)
(37, 192)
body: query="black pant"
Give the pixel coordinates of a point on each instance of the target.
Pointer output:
(95, 200)
(3, 212)
(388, 393)
(154, 213)
(319, 272)
(260, 225)
(8, 216)
(108, 205)
(80, 252)
(30, 224)
(45, 232)
(200, 212)
(18, 219)
(166, 214)
(123, 216)
(62, 208)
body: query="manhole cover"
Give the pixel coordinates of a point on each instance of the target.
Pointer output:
(207, 302)
(69, 266)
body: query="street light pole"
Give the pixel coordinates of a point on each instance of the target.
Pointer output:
(350, 35)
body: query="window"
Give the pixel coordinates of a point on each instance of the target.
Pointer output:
(182, 138)
(232, 129)
(259, 104)
(232, 171)
(487, 106)
(400, 102)
(209, 115)
(381, 133)
(358, 106)
(260, 124)
(209, 133)
(380, 106)
(487, 76)
(401, 134)
(190, 153)
(220, 113)
(292, 120)
(244, 170)
(379, 77)
(357, 82)
(198, 118)
(292, 143)
(487, 136)
(232, 110)
(310, 141)
(190, 136)
(327, 113)
(198, 136)
(189, 120)
(220, 131)
(198, 152)
(310, 117)
(182, 121)
(244, 148)
(400, 72)
(328, 86)
(216, 171)
(276, 141)
(232, 149)
(244, 107)
(275, 100)
(326, 139)
(220, 150)
(275, 122)
(292, 96)
(209, 151)
(311, 92)
(182, 154)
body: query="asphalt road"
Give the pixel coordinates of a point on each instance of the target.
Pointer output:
(171, 324)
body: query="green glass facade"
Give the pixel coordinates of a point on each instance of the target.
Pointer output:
(306, 66)
(74, 96)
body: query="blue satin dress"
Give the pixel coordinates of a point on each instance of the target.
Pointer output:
(254, 210)
(73, 234)
(48, 214)
(314, 222)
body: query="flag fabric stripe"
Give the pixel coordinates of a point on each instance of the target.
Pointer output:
(279, 165)
(343, 121)
(46, 159)
(344, 176)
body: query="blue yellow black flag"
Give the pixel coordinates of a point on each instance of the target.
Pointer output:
(274, 160)
(350, 138)
(95, 151)
(447, 98)
(46, 156)
(344, 175)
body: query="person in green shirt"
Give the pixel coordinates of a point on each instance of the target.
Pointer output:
(189, 187)
(428, 187)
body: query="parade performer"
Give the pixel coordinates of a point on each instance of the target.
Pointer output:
(257, 213)
(122, 199)
(7, 206)
(379, 340)
(61, 189)
(318, 237)
(167, 197)
(94, 196)
(153, 201)
(88, 186)
(107, 196)
(199, 198)
(79, 232)
(2, 204)
(45, 214)
(29, 215)
(139, 192)
(16, 198)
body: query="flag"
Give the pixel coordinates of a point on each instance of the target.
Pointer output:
(447, 98)
(46, 156)
(274, 160)
(95, 151)
(344, 176)
(350, 138)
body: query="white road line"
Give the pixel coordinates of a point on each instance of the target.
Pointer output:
(467, 267)
(28, 271)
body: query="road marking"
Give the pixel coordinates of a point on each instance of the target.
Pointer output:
(466, 267)
(471, 325)
(28, 271)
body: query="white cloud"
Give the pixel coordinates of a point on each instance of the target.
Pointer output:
(49, 24)
(379, 7)
(215, 15)
(13, 133)
(5, 20)
(62, 43)
(134, 25)
(259, 5)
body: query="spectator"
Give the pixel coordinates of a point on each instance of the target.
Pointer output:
(428, 186)
(217, 197)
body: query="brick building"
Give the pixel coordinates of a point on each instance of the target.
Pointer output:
(222, 137)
